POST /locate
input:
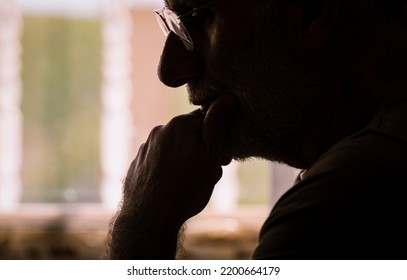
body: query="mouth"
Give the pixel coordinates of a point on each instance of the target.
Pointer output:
(204, 103)
(201, 96)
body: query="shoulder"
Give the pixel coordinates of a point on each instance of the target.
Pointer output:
(337, 204)
(366, 158)
(360, 167)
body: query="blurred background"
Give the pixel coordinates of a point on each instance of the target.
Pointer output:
(78, 95)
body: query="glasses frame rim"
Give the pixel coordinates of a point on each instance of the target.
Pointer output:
(187, 39)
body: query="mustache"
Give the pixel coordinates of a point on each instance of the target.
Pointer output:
(200, 93)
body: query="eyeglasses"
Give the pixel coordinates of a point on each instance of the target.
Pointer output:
(169, 21)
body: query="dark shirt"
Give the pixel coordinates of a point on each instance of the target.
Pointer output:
(352, 203)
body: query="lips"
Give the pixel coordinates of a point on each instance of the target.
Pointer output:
(205, 103)
(201, 96)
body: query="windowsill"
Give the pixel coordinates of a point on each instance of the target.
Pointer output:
(250, 215)
(46, 216)
(44, 231)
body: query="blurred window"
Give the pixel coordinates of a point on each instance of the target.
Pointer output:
(61, 78)
(90, 96)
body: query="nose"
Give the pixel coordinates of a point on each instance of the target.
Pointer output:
(177, 65)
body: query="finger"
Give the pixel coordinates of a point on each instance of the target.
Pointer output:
(217, 121)
(135, 163)
(186, 124)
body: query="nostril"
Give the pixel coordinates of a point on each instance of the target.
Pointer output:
(169, 77)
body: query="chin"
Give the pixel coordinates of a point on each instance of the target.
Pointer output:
(242, 146)
(243, 143)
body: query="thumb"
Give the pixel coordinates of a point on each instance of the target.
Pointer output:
(217, 121)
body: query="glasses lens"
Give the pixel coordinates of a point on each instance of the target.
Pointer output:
(176, 26)
(161, 22)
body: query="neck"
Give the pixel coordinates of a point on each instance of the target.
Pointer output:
(350, 109)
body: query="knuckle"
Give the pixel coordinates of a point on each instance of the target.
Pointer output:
(155, 132)
(181, 121)
(176, 121)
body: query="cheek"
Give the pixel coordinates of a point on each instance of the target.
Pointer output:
(229, 31)
(214, 37)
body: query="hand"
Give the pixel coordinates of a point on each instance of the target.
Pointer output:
(175, 171)
(171, 180)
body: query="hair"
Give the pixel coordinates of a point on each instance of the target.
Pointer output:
(392, 8)
(380, 29)
(377, 13)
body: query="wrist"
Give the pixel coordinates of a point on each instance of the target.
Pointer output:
(133, 238)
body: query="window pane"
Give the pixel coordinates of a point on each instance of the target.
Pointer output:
(61, 107)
